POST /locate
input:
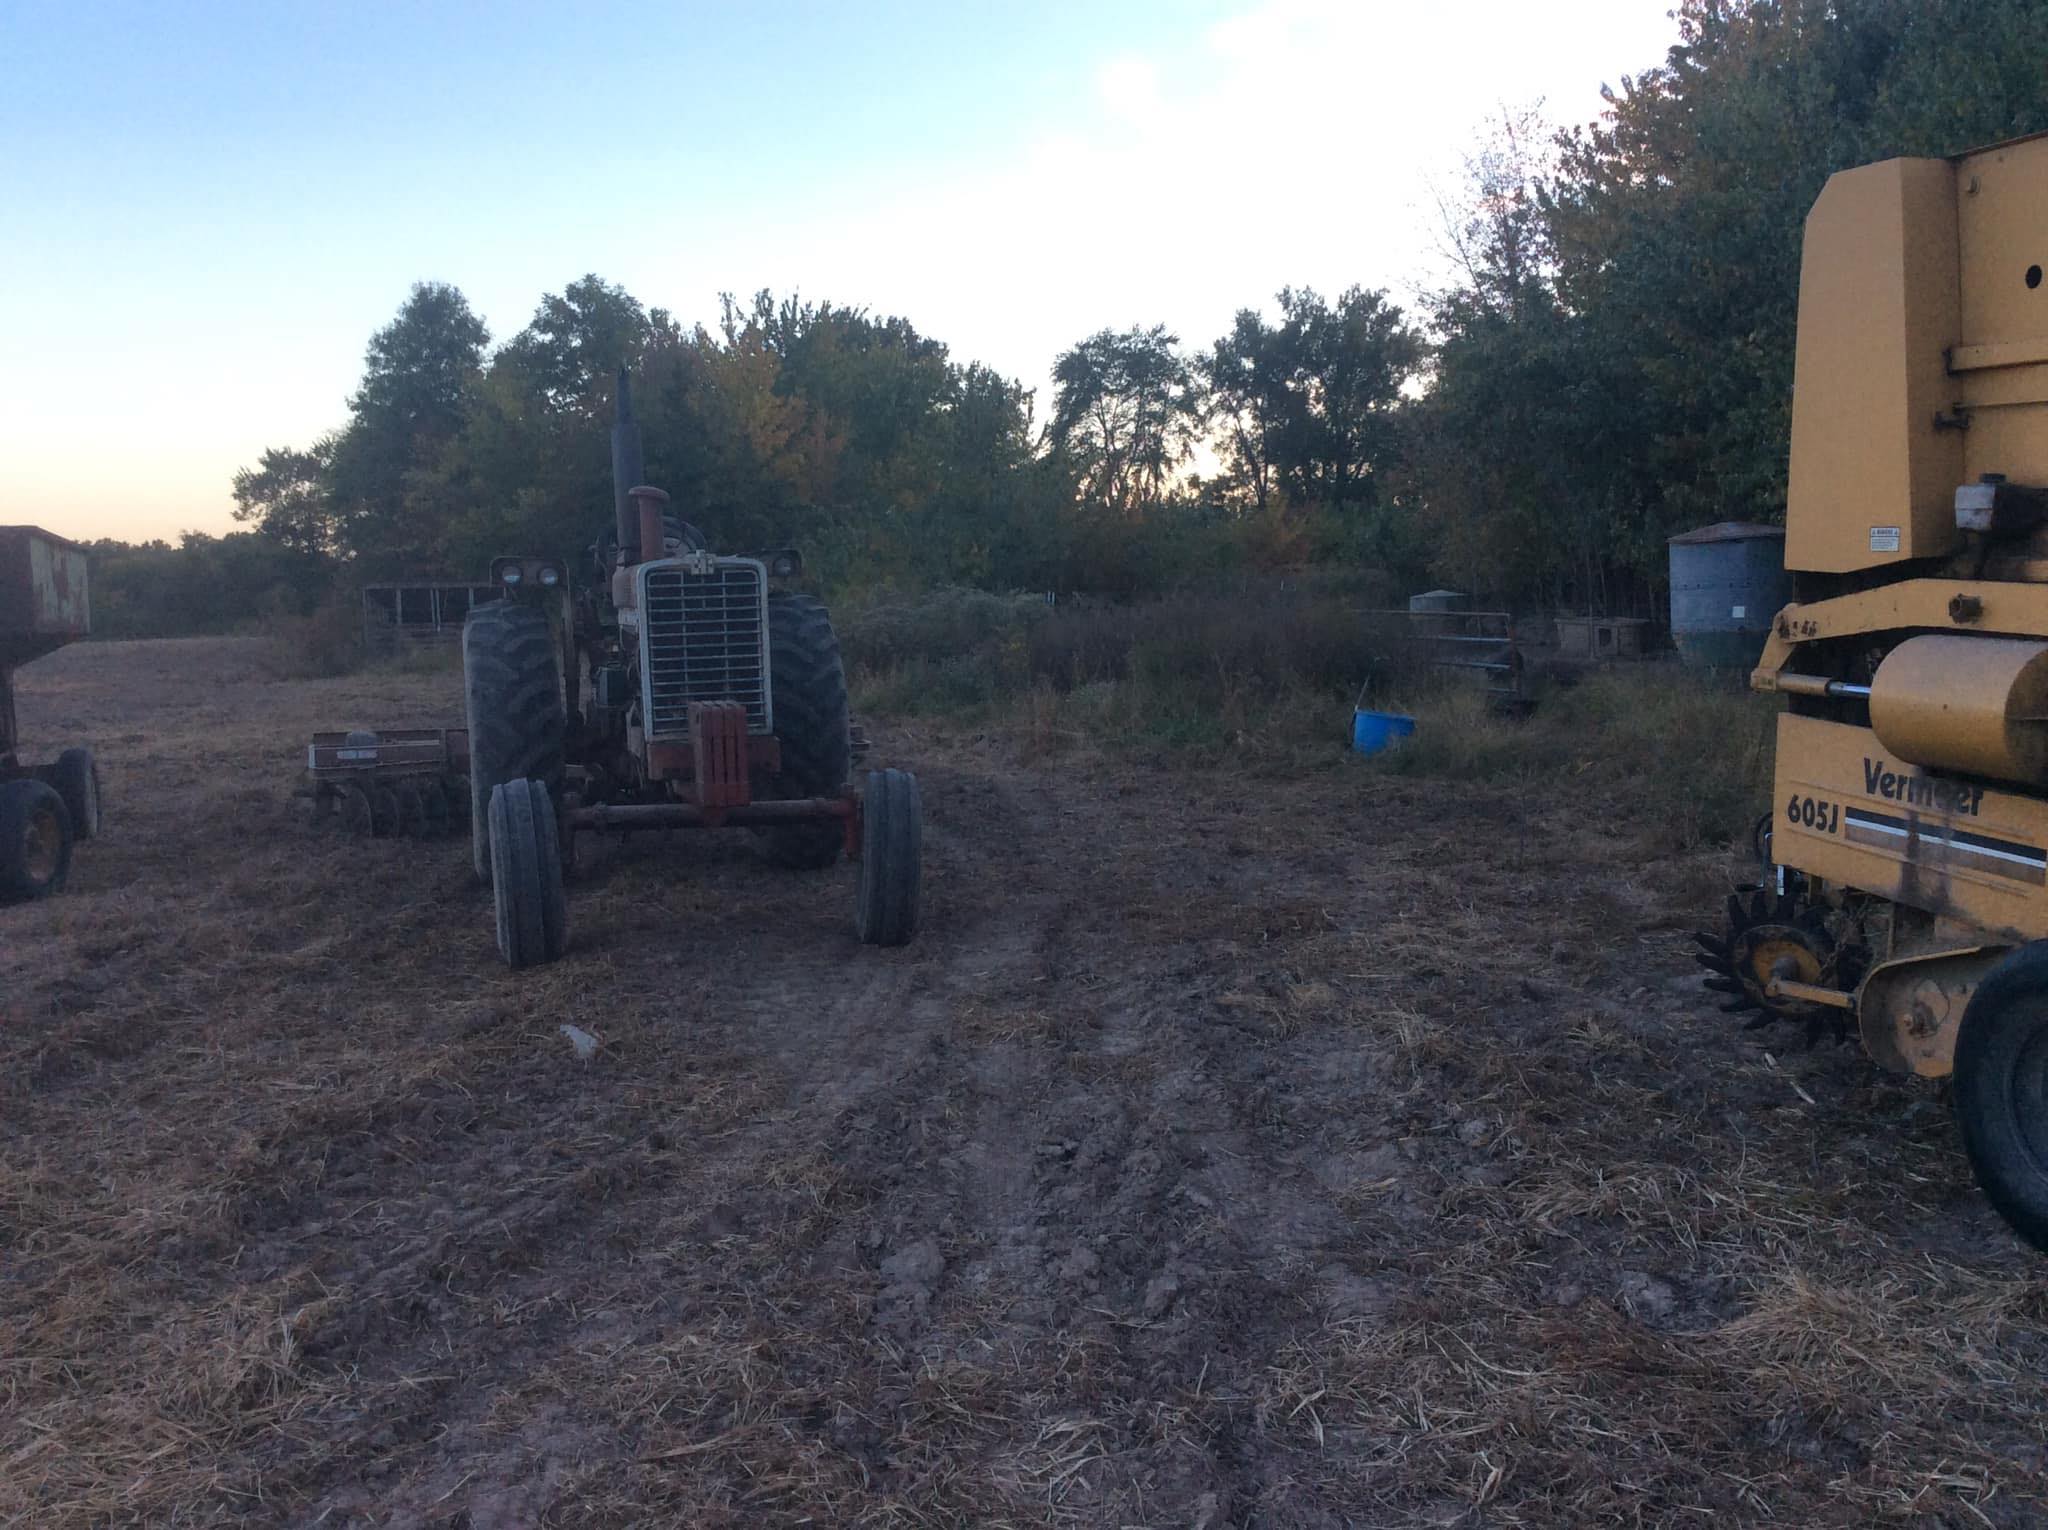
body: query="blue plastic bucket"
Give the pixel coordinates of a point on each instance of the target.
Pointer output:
(1373, 731)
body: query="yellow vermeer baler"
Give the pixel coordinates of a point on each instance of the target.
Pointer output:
(1908, 892)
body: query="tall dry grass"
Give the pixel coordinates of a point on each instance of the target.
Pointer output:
(1680, 757)
(1271, 678)
(1187, 677)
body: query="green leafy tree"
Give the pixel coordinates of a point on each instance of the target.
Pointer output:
(1343, 365)
(1245, 377)
(287, 496)
(1126, 408)
(419, 372)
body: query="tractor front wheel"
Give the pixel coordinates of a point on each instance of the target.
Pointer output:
(810, 723)
(513, 705)
(2001, 1089)
(35, 840)
(891, 859)
(526, 875)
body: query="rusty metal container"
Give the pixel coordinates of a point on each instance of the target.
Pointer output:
(43, 598)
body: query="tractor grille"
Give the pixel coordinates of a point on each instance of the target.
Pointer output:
(703, 638)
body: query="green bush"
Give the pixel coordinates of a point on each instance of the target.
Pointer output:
(1272, 670)
(327, 641)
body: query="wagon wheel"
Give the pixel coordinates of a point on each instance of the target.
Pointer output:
(35, 840)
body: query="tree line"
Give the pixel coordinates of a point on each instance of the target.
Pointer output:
(1609, 362)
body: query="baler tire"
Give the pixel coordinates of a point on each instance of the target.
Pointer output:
(383, 812)
(811, 725)
(76, 778)
(2000, 1093)
(513, 706)
(891, 859)
(529, 902)
(35, 840)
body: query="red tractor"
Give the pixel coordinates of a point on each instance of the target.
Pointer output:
(681, 691)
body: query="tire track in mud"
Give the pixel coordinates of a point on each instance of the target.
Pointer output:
(851, 1063)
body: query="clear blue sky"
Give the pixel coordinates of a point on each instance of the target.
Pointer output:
(206, 209)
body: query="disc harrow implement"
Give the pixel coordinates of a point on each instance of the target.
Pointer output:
(394, 783)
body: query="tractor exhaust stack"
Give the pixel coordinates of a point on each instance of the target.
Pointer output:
(629, 471)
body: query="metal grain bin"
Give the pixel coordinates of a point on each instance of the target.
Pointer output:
(1728, 582)
(1434, 611)
(1439, 600)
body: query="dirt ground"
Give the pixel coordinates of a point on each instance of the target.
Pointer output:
(1339, 1151)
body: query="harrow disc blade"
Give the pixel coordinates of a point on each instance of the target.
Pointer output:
(412, 813)
(357, 816)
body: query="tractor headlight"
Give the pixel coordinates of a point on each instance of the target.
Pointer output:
(510, 574)
(549, 575)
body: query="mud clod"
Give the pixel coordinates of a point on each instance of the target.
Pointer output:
(919, 1264)
(1161, 1291)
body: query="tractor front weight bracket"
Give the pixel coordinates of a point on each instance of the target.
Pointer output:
(626, 816)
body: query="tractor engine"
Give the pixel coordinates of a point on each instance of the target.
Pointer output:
(696, 626)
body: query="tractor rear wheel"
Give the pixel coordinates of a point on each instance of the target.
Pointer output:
(512, 703)
(891, 859)
(526, 875)
(76, 779)
(2001, 1089)
(810, 724)
(35, 840)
